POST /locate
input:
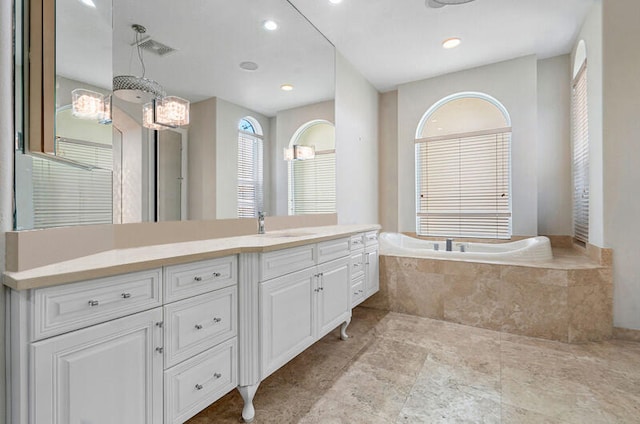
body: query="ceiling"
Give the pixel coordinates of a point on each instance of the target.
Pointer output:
(390, 42)
(397, 41)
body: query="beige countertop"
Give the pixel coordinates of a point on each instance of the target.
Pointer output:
(113, 262)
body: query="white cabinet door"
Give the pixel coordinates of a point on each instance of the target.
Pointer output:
(333, 296)
(372, 272)
(286, 318)
(106, 374)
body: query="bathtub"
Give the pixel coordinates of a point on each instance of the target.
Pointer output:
(531, 249)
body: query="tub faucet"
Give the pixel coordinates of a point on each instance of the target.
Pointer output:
(260, 222)
(449, 245)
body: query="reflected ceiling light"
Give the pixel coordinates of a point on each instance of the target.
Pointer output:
(159, 111)
(335, 1)
(89, 3)
(299, 152)
(451, 43)
(87, 104)
(249, 66)
(270, 25)
(286, 87)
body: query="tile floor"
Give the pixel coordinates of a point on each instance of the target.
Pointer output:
(399, 368)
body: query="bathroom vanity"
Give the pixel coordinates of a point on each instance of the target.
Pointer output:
(156, 334)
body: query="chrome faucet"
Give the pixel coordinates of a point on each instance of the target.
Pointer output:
(449, 245)
(260, 222)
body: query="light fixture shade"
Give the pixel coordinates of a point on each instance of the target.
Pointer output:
(87, 104)
(106, 117)
(299, 152)
(147, 118)
(171, 111)
(136, 89)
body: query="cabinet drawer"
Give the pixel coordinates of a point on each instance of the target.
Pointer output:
(59, 309)
(357, 265)
(186, 280)
(195, 384)
(333, 249)
(371, 238)
(285, 261)
(196, 324)
(357, 242)
(357, 291)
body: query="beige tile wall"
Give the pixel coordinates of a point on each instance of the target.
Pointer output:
(559, 304)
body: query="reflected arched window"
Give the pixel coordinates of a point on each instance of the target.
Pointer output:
(250, 168)
(463, 168)
(312, 182)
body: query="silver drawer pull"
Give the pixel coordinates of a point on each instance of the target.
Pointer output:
(356, 265)
(94, 303)
(216, 320)
(357, 242)
(217, 375)
(199, 386)
(198, 327)
(214, 275)
(159, 349)
(126, 295)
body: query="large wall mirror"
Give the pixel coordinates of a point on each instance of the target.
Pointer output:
(101, 164)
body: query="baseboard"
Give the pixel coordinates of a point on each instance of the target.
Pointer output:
(626, 334)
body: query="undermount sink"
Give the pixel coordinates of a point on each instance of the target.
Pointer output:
(288, 234)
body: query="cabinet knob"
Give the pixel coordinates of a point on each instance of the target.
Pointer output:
(126, 295)
(217, 375)
(199, 386)
(159, 349)
(216, 320)
(198, 327)
(213, 275)
(94, 303)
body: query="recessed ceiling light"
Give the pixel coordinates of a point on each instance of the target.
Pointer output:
(335, 1)
(286, 87)
(89, 3)
(451, 43)
(249, 66)
(270, 25)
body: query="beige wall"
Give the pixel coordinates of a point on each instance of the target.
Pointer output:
(201, 172)
(514, 84)
(388, 166)
(554, 149)
(621, 124)
(356, 146)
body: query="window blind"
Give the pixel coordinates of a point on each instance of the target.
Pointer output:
(312, 184)
(250, 176)
(64, 194)
(463, 185)
(580, 142)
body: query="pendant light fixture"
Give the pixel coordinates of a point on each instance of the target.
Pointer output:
(159, 111)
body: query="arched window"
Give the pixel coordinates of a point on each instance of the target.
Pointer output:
(580, 145)
(250, 166)
(463, 168)
(312, 182)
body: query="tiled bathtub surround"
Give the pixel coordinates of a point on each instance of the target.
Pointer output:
(568, 299)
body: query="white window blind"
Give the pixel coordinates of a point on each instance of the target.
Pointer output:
(463, 185)
(580, 141)
(250, 175)
(67, 194)
(312, 184)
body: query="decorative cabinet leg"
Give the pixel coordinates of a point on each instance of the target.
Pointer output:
(343, 329)
(247, 393)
